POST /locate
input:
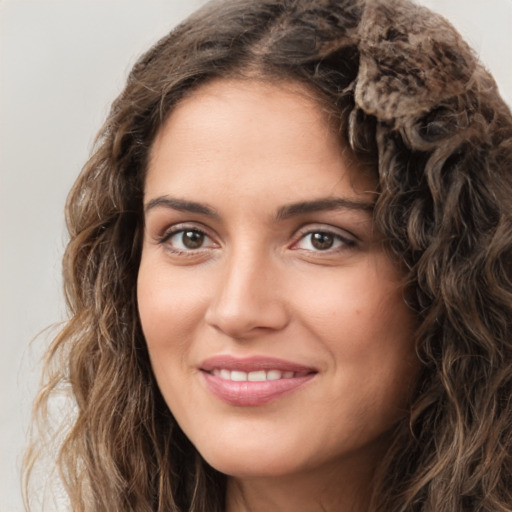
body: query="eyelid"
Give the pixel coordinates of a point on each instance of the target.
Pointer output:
(172, 229)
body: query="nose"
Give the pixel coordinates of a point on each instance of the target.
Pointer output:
(249, 299)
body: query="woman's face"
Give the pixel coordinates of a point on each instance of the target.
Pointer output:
(273, 316)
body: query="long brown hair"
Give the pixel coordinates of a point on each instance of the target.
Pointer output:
(411, 100)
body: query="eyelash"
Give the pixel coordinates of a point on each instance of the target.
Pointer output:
(338, 241)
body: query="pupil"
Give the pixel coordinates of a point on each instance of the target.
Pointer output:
(193, 239)
(322, 241)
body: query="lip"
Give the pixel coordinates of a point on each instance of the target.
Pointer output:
(254, 363)
(249, 393)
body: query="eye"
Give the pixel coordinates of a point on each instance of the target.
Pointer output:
(321, 240)
(188, 239)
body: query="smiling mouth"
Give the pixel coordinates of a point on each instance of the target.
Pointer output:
(253, 381)
(256, 376)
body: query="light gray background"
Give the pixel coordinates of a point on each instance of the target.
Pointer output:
(61, 64)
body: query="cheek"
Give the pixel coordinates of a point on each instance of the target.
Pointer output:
(357, 307)
(366, 328)
(170, 305)
(169, 311)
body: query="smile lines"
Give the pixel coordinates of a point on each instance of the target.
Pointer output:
(255, 376)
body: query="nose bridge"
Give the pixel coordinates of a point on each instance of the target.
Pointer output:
(248, 297)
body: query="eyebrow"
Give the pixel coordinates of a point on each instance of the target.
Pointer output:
(180, 205)
(324, 204)
(285, 212)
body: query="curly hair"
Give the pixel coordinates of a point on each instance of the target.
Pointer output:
(410, 98)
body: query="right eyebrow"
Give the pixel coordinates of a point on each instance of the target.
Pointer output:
(180, 205)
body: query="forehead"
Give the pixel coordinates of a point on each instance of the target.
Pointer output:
(242, 130)
(238, 104)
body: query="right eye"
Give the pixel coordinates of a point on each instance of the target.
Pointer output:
(187, 240)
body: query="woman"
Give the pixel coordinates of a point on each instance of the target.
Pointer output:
(289, 271)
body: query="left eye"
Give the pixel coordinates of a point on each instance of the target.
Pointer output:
(188, 240)
(322, 241)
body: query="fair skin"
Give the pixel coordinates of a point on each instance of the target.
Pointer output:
(273, 315)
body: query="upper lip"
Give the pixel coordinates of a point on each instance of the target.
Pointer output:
(254, 363)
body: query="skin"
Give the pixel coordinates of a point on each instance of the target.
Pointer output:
(257, 285)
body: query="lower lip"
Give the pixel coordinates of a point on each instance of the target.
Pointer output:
(249, 393)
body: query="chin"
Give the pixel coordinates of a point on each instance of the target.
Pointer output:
(250, 461)
(245, 467)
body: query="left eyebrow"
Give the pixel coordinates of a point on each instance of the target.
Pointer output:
(323, 204)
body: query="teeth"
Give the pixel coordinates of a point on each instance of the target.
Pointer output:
(274, 375)
(238, 376)
(255, 376)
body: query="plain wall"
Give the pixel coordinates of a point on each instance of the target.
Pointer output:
(61, 64)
